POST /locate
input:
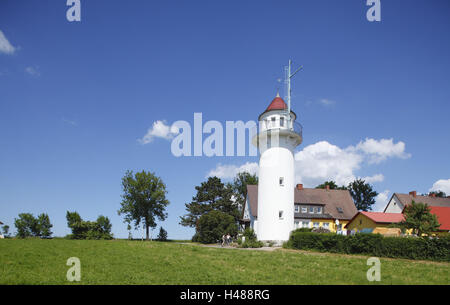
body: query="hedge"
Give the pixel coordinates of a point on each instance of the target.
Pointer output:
(374, 245)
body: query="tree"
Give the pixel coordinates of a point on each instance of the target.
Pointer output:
(81, 229)
(26, 225)
(5, 230)
(332, 185)
(239, 186)
(438, 193)
(419, 218)
(214, 224)
(363, 194)
(104, 225)
(144, 199)
(44, 225)
(212, 195)
(162, 236)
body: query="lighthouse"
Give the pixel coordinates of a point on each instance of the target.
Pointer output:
(278, 135)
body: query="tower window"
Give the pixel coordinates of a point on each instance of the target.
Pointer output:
(280, 215)
(281, 181)
(281, 121)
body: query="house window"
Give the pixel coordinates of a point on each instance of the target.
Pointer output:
(296, 224)
(311, 210)
(297, 209)
(319, 210)
(304, 210)
(316, 225)
(281, 181)
(305, 224)
(280, 215)
(281, 121)
(326, 225)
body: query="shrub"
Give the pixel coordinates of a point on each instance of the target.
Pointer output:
(374, 244)
(212, 225)
(250, 240)
(81, 229)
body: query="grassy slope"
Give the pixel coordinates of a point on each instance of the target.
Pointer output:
(36, 261)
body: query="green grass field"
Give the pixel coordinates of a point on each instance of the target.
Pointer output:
(35, 261)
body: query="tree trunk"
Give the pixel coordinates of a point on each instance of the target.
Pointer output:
(146, 232)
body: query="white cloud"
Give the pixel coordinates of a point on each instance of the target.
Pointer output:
(159, 130)
(324, 161)
(380, 150)
(70, 122)
(441, 185)
(5, 46)
(381, 201)
(374, 178)
(322, 102)
(230, 171)
(326, 102)
(33, 71)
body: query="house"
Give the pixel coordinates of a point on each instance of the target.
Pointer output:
(378, 222)
(398, 201)
(375, 222)
(313, 208)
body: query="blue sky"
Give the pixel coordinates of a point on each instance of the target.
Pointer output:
(75, 97)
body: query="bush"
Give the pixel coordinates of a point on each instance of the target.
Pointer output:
(250, 240)
(81, 229)
(374, 244)
(211, 226)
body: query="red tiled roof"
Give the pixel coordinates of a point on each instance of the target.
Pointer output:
(380, 217)
(443, 215)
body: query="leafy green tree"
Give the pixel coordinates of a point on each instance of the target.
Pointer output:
(439, 193)
(212, 195)
(363, 194)
(5, 230)
(214, 224)
(332, 185)
(419, 218)
(162, 236)
(44, 226)
(239, 186)
(144, 199)
(81, 229)
(104, 225)
(26, 225)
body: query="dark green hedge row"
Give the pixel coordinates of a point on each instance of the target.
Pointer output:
(374, 245)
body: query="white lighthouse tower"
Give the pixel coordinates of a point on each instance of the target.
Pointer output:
(276, 140)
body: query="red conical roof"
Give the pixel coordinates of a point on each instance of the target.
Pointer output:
(277, 104)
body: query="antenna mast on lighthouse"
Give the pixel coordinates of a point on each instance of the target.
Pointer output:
(289, 75)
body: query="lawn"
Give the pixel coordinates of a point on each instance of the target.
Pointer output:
(35, 261)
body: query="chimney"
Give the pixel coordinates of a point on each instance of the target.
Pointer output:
(327, 187)
(432, 195)
(299, 186)
(413, 193)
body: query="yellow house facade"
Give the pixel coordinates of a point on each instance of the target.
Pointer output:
(375, 222)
